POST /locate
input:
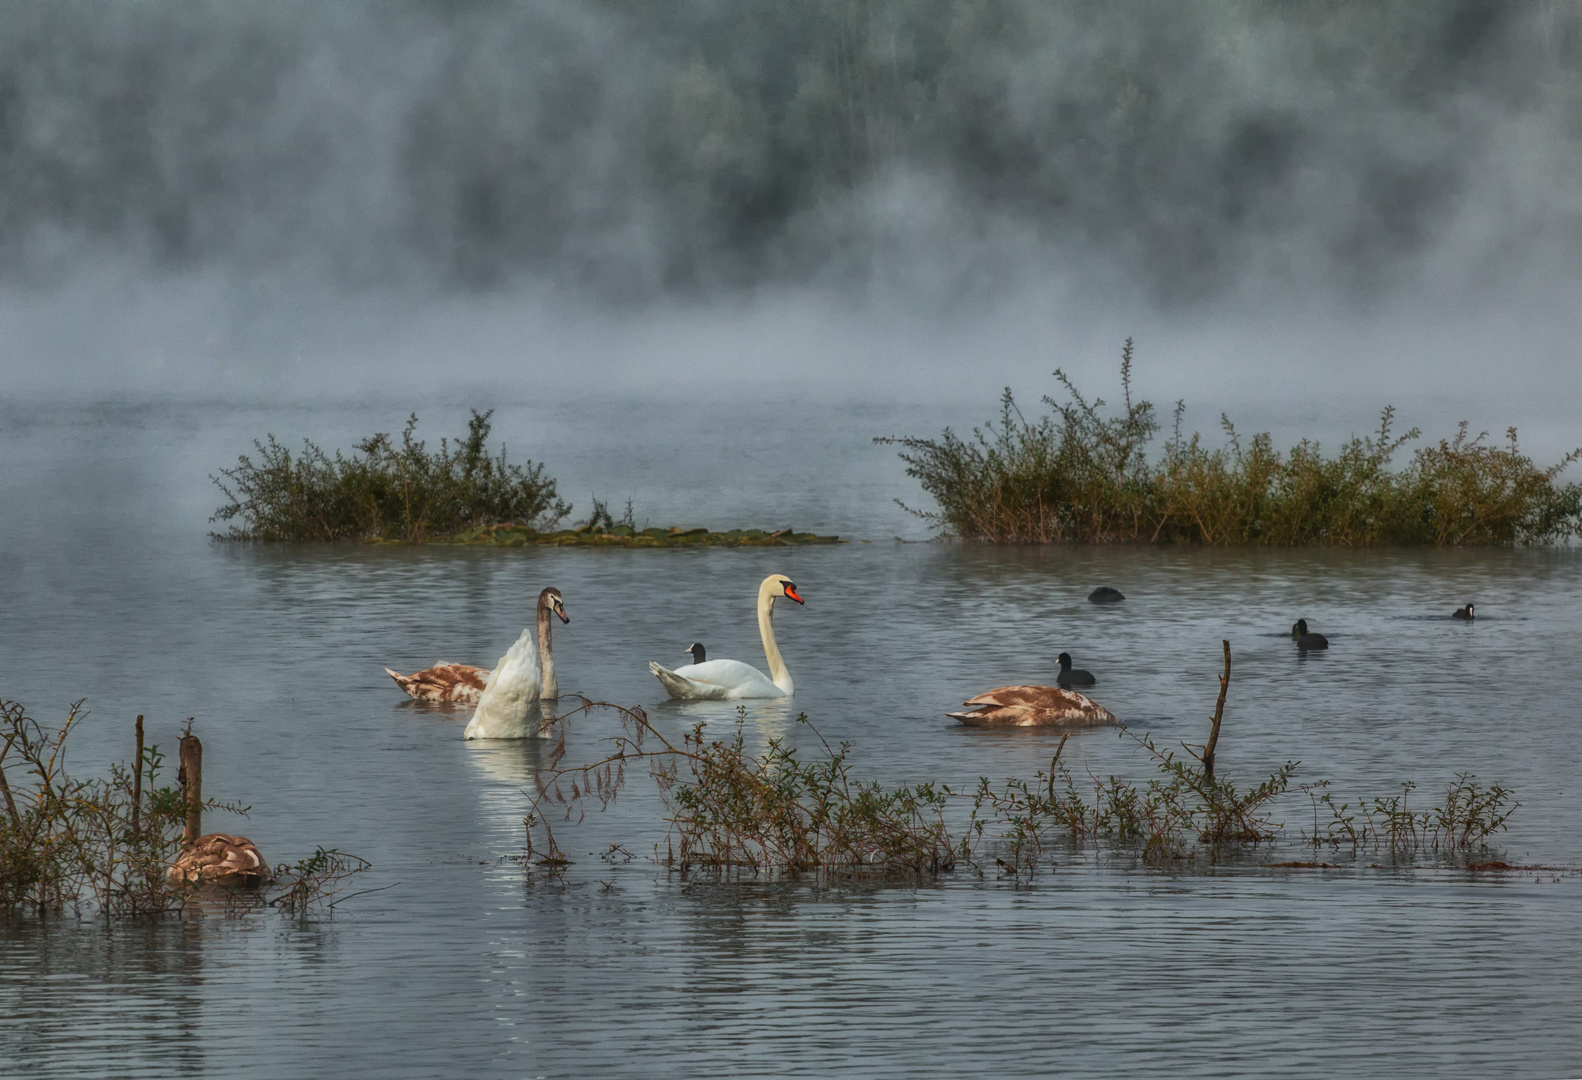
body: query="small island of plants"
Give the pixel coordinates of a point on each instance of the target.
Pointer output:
(1079, 475)
(393, 491)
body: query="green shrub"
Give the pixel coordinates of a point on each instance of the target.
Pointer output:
(1078, 475)
(384, 490)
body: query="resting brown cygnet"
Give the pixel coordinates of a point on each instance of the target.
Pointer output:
(1033, 706)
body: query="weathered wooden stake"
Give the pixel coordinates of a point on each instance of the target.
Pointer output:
(192, 786)
(1055, 761)
(1219, 712)
(137, 778)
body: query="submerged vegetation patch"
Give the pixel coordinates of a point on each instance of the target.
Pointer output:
(402, 492)
(785, 813)
(105, 845)
(1077, 474)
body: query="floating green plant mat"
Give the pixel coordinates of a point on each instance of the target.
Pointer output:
(624, 536)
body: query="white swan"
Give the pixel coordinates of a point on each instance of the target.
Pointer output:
(508, 707)
(732, 680)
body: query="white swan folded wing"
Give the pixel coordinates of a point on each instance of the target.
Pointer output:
(508, 708)
(716, 680)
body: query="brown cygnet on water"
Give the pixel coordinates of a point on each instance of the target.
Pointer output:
(444, 681)
(1033, 706)
(463, 684)
(218, 858)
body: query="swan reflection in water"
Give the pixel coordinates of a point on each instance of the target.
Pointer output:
(764, 719)
(508, 764)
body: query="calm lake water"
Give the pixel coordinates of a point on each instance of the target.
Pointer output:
(463, 966)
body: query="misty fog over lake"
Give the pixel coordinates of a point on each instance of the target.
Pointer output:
(696, 256)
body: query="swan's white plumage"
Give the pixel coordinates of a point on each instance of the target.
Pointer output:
(716, 680)
(508, 708)
(732, 680)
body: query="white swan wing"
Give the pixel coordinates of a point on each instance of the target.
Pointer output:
(510, 695)
(716, 680)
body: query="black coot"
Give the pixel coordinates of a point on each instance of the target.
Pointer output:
(696, 649)
(1105, 595)
(1306, 641)
(1070, 676)
(1463, 613)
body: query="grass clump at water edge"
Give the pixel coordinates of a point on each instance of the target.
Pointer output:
(385, 490)
(1076, 474)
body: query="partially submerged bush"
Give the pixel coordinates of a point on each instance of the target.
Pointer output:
(384, 490)
(1079, 475)
(776, 812)
(1165, 817)
(1469, 815)
(769, 813)
(106, 844)
(303, 887)
(64, 841)
(779, 812)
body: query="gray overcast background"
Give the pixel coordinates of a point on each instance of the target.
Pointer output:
(1359, 198)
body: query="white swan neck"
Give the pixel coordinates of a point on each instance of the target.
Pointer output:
(766, 608)
(546, 655)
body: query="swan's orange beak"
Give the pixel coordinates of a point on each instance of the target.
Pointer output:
(563, 616)
(791, 594)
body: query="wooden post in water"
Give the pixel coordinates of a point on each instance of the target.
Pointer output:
(137, 778)
(1056, 761)
(1219, 713)
(192, 786)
